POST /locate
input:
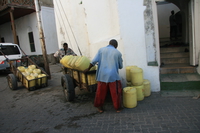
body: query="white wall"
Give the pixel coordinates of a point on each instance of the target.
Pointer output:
(86, 24)
(131, 15)
(49, 28)
(27, 24)
(23, 25)
(71, 25)
(164, 11)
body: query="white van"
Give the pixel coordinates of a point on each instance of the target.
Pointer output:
(10, 51)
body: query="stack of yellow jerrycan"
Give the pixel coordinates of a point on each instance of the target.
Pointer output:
(79, 63)
(76, 62)
(134, 77)
(129, 97)
(31, 75)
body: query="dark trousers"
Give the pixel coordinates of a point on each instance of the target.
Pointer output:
(173, 32)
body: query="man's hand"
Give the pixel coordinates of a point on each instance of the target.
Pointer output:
(86, 70)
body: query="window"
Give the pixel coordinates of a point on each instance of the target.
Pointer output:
(31, 41)
(9, 50)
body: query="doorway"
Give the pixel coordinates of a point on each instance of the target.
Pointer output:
(177, 55)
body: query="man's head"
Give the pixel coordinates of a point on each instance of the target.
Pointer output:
(114, 43)
(65, 46)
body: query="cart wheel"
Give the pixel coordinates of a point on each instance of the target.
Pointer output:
(68, 87)
(12, 81)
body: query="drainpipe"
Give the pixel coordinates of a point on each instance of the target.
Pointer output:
(42, 41)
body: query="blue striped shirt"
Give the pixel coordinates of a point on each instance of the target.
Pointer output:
(109, 60)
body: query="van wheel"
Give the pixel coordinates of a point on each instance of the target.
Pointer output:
(12, 81)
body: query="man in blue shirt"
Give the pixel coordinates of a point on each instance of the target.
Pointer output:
(109, 60)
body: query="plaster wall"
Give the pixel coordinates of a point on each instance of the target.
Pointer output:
(132, 31)
(49, 29)
(27, 24)
(23, 25)
(71, 25)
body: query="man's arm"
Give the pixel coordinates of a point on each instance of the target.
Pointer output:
(120, 62)
(88, 69)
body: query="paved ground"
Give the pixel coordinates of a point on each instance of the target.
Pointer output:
(44, 111)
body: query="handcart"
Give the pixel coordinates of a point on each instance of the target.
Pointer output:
(73, 78)
(17, 76)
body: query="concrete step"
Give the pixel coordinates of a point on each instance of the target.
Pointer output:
(175, 60)
(173, 49)
(174, 54)
(177, 68)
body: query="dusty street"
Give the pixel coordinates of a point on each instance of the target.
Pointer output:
(45, 111)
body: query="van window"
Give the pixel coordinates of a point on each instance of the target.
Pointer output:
(10, 50)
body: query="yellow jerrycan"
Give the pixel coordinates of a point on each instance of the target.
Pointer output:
(32, 66)
(42, 79)
(140, 92)
(19, 74)
(64, 61)
(30, 82)
(136, 76)
(38, 71)
(34, 74)
(69, 62)
(147, 87)
(28, 70)
(73, 61)
(128, 76)
(82, 63)
(129, 97)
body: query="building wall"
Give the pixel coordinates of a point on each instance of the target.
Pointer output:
(49, 29)
(27, 24)
(102, 20)
(133, 33)
(23, 25)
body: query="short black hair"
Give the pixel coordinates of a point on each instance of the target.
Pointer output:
(65, 44)
(113, 42)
